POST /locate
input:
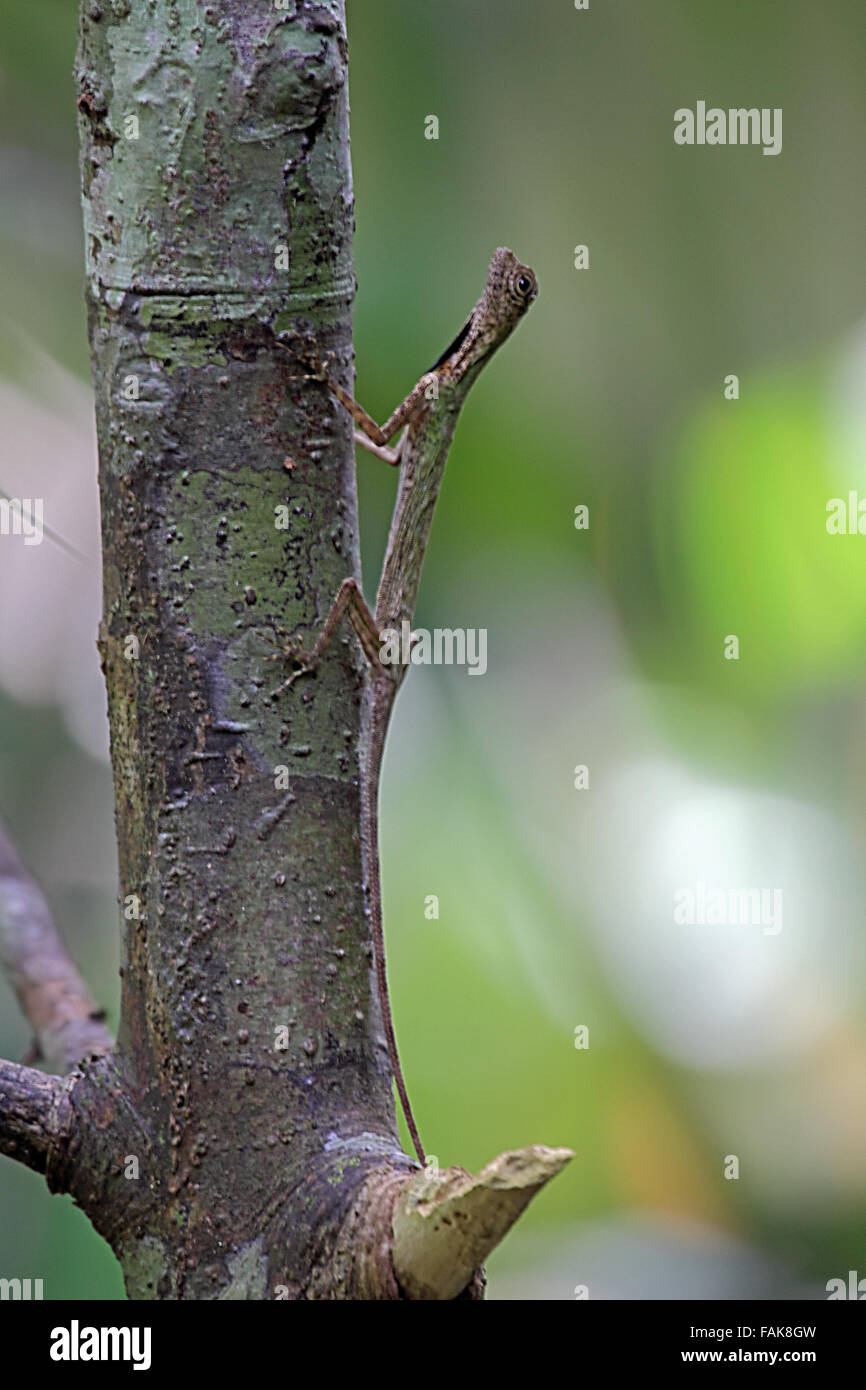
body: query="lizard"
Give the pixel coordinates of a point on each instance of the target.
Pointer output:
(428, 417)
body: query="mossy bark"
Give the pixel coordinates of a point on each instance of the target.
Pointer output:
(249, 1099)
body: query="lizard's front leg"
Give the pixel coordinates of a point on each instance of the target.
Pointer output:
(392, 456)
(372, 436)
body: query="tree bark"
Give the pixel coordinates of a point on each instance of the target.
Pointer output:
(248, 1032)
(239, 1140)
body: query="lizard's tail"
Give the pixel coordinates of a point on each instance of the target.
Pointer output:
(380, 709)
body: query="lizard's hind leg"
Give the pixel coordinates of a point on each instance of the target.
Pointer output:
(351, 603)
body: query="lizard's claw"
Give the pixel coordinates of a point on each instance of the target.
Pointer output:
(288, 651)
(305, 351)
(290, 680)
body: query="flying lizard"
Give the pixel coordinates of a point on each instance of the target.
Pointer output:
(427, 418)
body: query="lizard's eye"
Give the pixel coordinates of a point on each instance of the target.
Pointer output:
(524, 286)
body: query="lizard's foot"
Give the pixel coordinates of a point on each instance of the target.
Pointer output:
(287, 650)
(305, 350)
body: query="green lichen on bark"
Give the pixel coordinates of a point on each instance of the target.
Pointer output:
(218, 213)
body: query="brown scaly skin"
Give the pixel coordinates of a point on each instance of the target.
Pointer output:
(429, 414)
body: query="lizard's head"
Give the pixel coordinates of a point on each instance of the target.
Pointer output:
(510, 289)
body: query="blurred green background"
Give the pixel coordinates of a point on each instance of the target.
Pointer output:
(605, 647)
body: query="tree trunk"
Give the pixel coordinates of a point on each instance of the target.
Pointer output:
(218, 211)
(239, 1140)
